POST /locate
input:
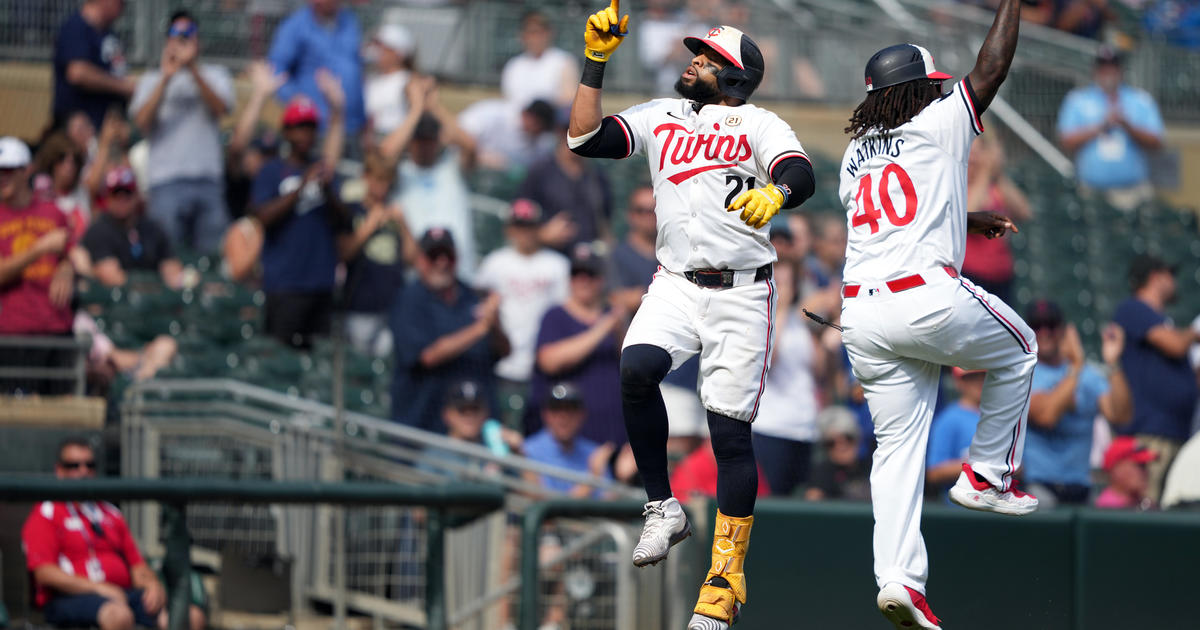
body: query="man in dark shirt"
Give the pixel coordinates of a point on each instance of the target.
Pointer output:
(1156, 364)
(575, 195)
(443, 333)
(89, 65)
(124, 239)
(297, 200)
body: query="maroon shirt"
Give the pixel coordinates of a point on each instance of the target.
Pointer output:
(25, 306)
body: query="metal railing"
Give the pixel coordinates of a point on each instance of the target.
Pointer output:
(226, 429)
(73, 376)
(444, 505)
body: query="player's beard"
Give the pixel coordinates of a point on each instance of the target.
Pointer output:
(698, 91)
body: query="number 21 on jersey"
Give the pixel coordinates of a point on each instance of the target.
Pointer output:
(868, 213)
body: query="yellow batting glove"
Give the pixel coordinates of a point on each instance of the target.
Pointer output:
(604, 32)
(758, 205)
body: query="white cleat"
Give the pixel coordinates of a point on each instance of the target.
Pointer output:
(974, 493)
(701, 622)
(906, 608)
(666, 525)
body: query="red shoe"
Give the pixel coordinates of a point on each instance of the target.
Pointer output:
(906, 608)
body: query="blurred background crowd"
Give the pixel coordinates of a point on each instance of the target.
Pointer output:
(230, 211)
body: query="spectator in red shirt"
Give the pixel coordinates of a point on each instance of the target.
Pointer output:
(697, 474)
(35, 276)
(86, 568)
(989, 261)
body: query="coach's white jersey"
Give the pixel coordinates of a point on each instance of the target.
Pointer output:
(905, 192)
(700, 161)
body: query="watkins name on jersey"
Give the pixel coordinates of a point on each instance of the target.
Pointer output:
(870, 146)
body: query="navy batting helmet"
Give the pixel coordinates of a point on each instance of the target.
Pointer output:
(744, 71)
(900, 64)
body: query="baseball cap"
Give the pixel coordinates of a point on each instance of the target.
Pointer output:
(301, 111)
(726, 40)
(1108, 55)
(120, 178)
(1126, 447)
(1144, 265)
(585, 259)
(838, 420)
(564, 394)
(960, 373)
(464, 393)
(437, 239)
(395, 38)
(525, 212)
(780, 229)
(1044, 314)
(14, 153)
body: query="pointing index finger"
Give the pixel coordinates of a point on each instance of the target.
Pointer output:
(616, 6)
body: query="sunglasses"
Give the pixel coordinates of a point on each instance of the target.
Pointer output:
(642, 209)
(89, 464)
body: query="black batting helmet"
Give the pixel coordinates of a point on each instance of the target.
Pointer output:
(744, 72)
(900, 64)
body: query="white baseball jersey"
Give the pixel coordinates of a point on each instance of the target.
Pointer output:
(699, 162)
(905, 192)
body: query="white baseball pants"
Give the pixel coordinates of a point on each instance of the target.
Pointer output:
(732, 329)
(897, 341)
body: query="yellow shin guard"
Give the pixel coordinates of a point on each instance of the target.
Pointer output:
(724, 588)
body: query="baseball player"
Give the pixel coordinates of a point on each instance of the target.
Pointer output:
(906, 310)
(721, 169)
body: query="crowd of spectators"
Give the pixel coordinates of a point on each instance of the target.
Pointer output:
(532, 329)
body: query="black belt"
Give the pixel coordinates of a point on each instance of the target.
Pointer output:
(722, 278)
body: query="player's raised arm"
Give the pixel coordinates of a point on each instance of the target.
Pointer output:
(996, 54)
(605, 31)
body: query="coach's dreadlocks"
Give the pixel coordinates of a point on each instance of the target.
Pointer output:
(892, 106)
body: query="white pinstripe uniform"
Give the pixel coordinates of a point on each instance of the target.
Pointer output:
(699, 161)
(906, 311)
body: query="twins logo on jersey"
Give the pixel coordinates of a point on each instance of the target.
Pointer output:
(681, 146)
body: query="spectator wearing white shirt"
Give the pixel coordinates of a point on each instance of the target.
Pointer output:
(529, 279)
(393, 50)
(541, 71)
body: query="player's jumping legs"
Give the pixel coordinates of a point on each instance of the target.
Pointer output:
(724, 589)
(902, 394)
(1005, 346)
(643, 367)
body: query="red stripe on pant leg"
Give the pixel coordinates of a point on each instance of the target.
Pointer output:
(762, 383)
(1007, 324)
(1011, 461)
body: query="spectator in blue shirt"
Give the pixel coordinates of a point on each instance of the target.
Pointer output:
(1067, 396)
(89, 65)
(559, 443)
(1111, 128)
(321, 35)
(1156, 363)
(442, 332)
(297, 200)
(952, 432)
